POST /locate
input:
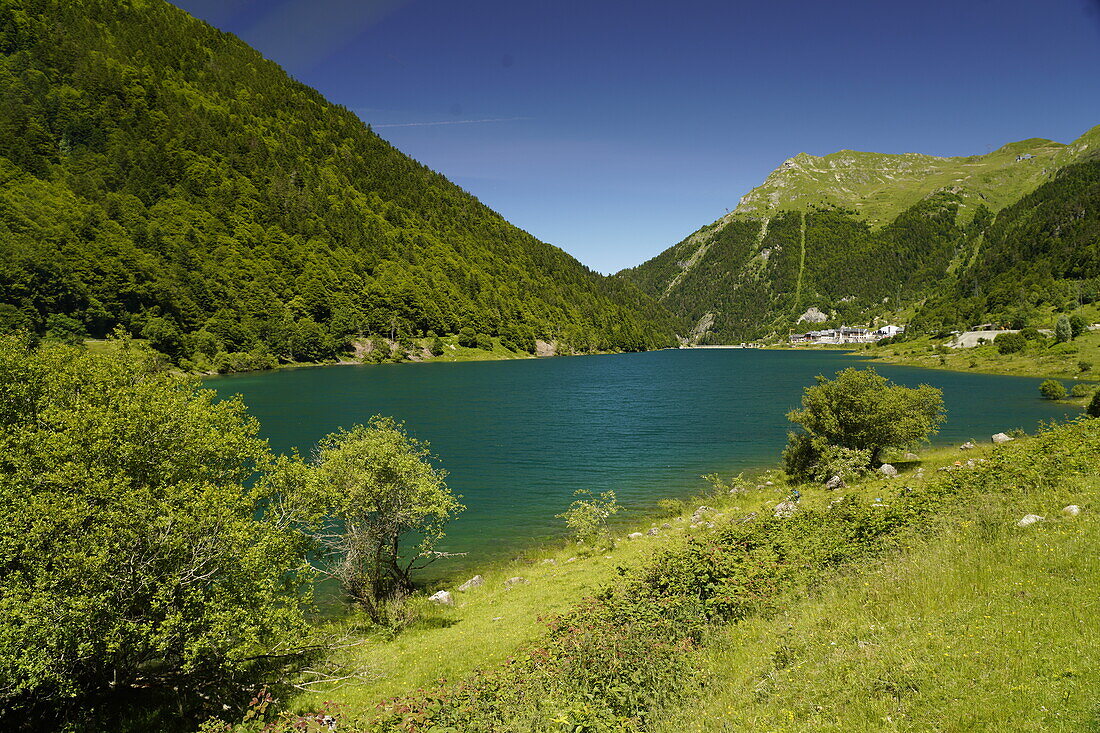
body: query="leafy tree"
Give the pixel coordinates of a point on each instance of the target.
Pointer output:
(587, 517)
(1077, 325)
(1052, 389)
(437, 346)
(863, 411)
(1010, 343)
(140, 560)
(1063, 330)
(1093, 409)
(484, 342)
(60, 327)
(467, 337)
(392, 505)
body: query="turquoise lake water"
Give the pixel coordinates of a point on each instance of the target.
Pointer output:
(518, 437)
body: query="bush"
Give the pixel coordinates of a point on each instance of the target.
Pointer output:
(587, 517)
(1093, 409)
(1080, 390)
(863, 411)
(467, 337)
(484, 342)
(1031, 334)
(1009, 343)
(1052, 389)
(1084, 366)
(1077, 325)
(436, 347)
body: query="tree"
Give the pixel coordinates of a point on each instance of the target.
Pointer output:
(863, 411)
(436, 347)
(1010, 343)
(67, 330)
(1093, 409)
(139, 561)
(467, 337)
(1077, 325)
(1063, 331)
(587, 517)
(1052, 389)
(391, 503)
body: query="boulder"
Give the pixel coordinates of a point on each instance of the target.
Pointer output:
(769, 483)
(1001, 438)
(572, 559)
(475, 582)
(910, 457)
(968, 445)
(836, 482)
(635, 536)
(1029, 520)
(666, 525)
(443, 598)
(549, 561)
(1072, 510)
(652, 531)
(887, 470)
(785, 509)
(515, 581)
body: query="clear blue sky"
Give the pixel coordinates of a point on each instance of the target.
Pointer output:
(614, 129)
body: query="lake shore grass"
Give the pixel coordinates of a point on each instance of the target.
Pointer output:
(491, 624)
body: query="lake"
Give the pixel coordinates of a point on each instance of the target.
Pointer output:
(519, 437)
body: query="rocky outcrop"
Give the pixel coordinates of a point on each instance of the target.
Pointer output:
(1001, 438)
(475, 582)
(813, 315)
(1030, 519)
(888, 470)
(443, 598)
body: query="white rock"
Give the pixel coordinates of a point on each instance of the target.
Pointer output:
(515, 581)
(836, 482)
(666, 525)
(1029, 520)
(1001, 438)
(785, 509)
(910, 457)
(769, 483)
(443, 598)
(1072, 510)
(887, 470)
(652, 532)
(635, 536)
(549, 561)
(572, 559)
(968, 445)
(475, 582)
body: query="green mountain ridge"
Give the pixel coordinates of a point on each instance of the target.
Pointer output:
(862, 236)
(160, 175)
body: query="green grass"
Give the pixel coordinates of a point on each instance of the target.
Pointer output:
(985, 627)
(1037, 360)
(879, 186)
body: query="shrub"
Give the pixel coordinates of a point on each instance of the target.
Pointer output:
(1084, 366)
(1009, 343)
(1052, 389)
(1080, 390)
(1093, 409)
(861, 410)
(484, 342)
(436, 347)
(467, 337)
(587, 517)
(1031, 334)
(1077, 325)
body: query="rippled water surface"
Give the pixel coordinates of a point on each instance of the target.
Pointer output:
(518, 437)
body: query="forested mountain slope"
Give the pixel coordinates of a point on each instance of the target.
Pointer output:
(860, 235)
(159, 174)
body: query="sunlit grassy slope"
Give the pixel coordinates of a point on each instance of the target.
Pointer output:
(879, 186)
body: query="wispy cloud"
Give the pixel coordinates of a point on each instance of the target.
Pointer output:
(449, 122)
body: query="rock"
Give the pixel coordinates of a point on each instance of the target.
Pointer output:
(475, 582)
(769, 483)
(1029, 520)
(666, 525)
(549, 561)
(836, 482)
(968, 445)
(910, 457)
(495, 618)
(785, 509)
(813, 315)
(694, 525)
(635, 536)
(572, 559)
(1072, 510)
(710, 525)
(515, 581)
(760, 487)
(652, 531)
(1001, 438)
(443, 598)
(887, 470)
